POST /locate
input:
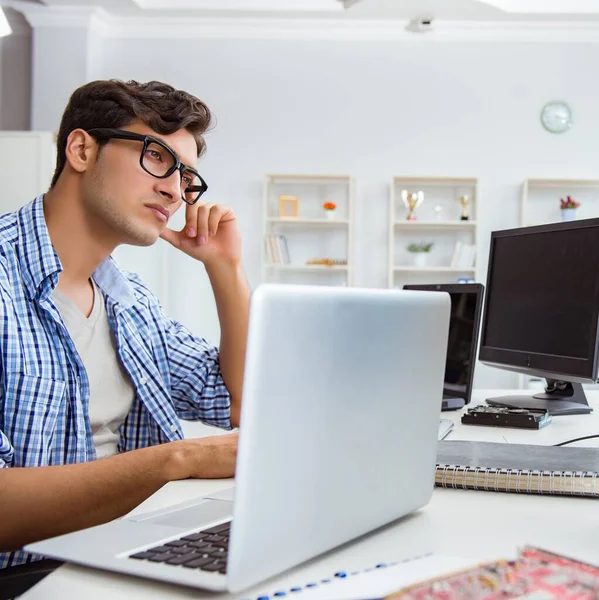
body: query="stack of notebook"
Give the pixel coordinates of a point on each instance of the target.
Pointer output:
(518, 468)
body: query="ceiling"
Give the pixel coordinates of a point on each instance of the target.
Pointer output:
(445, 10)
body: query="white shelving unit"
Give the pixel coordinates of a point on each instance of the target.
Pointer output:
(438, 220)
(311, 235)
(540, 200)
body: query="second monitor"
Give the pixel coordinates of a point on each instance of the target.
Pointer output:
(542, 310)
(466, 305)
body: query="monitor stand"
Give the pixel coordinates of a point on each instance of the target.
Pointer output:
(560, 398)
(452, 403)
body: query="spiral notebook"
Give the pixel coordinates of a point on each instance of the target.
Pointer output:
(518, 468)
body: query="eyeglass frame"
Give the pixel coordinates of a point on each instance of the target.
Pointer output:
(107, 133)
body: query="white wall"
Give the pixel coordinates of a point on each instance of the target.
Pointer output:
(378, 109)
(370, 109)
(375, 110)
(56, 73)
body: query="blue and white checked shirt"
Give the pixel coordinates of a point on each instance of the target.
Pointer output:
(44, 394)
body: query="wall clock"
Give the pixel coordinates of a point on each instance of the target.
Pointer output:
(556, 116)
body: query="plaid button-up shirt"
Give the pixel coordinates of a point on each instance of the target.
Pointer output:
(44, 389)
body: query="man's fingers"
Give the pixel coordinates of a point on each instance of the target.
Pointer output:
(214, 219)
(202, 222)
(191, 219)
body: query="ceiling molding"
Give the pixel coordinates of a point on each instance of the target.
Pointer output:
(354, 30)
(17, 22)
(261, 28)
(326, 6)
(64, 17)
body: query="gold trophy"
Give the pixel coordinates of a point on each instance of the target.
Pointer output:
(464, 201)
(411, 200)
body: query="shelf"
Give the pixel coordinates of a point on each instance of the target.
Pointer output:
(294, 221)
(435, 181)
(592, 183)
(312, 233)
(443, 191)
(307, 178)
(308, 267)
(539, 199)
(435, 269)
(435, 224)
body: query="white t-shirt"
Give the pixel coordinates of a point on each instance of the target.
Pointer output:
(111, 390)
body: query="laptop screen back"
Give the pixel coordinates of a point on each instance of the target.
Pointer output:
(464, 325)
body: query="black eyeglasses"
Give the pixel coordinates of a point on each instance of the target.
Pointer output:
(158, 160)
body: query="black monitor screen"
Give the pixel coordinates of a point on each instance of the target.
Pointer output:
(466, 307)
(462, 337)
(543, 294)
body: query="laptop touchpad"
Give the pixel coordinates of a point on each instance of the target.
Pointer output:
(199, 515)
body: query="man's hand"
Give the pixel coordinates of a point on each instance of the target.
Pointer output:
(204, 458)
(210, 234)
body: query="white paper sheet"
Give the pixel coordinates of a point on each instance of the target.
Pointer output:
(383, 581)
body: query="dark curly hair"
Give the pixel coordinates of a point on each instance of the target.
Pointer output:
(115, 104)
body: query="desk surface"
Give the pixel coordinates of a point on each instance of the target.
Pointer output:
(473, 524)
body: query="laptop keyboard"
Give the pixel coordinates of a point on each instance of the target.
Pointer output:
(206, 550)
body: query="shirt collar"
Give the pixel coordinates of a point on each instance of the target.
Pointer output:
(114, 283)
(40, 265)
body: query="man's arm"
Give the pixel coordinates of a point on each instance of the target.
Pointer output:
(41, 502)
(232, 295)
(211, 235)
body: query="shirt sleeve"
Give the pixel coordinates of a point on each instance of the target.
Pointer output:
(197, 387)
(198, 391)
(6, 448)
(6, 451)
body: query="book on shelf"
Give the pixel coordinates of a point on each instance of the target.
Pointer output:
(464, 256)
(521, 468)
(277, 249)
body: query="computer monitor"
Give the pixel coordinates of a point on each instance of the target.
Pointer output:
(466, 308)
(542, 310)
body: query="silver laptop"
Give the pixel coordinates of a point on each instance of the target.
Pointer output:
(338, 437)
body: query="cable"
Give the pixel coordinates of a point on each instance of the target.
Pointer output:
(586, 437)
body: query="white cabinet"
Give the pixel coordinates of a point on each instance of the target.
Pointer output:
(27, 161)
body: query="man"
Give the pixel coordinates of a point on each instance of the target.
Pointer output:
(90, 368)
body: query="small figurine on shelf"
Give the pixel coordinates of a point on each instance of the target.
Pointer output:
(420, 252)
(412, 200)
(568, 208)
(438, 212)
(329, 210)
(464, 201)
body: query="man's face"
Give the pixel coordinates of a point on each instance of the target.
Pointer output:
(130, 202)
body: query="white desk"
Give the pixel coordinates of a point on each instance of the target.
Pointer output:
(482, 525)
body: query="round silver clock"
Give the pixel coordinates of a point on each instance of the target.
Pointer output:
(556, 116)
